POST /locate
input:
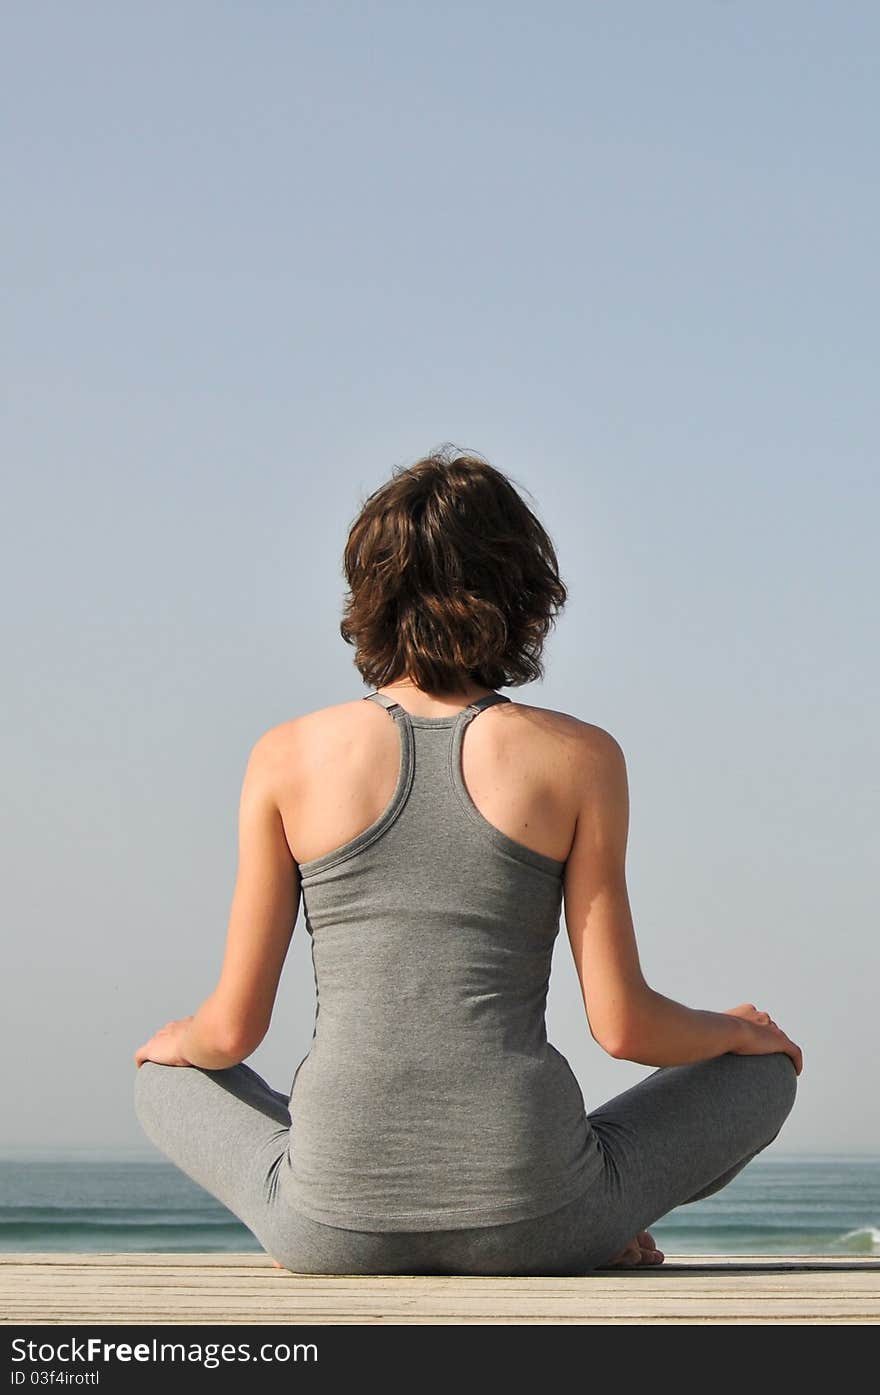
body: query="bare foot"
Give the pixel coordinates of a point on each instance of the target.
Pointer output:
(640, 1252)
(277, 1265)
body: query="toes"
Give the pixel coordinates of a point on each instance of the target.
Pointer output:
(628, 1258)
(640, 1251)
(648, 1247)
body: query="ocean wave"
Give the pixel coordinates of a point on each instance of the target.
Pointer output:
(17, 1229)
(711, 1225)
(109, 1215)
(864, 1240)
(107, 1237)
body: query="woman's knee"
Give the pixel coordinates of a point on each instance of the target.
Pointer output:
(146, 1078)
(154, 1086)
(774, 1082)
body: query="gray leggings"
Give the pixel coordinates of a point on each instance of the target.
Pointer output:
(678, 1135)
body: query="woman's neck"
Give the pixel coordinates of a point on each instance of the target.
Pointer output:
(443, 702)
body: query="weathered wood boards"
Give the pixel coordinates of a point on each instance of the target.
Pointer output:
(245, 1288)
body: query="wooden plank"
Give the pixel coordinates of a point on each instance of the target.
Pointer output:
(245, 1289)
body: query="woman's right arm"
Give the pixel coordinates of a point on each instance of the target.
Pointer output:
(628, 1018)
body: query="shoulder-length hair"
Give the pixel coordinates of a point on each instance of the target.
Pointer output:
(452, 579)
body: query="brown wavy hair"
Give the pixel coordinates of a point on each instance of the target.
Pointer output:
(452, 579)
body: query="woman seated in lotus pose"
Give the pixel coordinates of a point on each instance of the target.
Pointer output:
(434, 831)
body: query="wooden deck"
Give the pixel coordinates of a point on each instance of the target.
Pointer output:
(246, 1289)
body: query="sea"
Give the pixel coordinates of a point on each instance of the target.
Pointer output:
(779, 1205)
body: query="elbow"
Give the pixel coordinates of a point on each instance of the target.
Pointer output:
(621, 1034)
(239, 1043)
(611, 1037)
(232, 1039)
(616, 1044)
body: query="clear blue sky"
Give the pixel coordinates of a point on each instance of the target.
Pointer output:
(256, 255)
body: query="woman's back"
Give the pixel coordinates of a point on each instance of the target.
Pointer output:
(430, 1098)
(432, 1128)
(342, 763)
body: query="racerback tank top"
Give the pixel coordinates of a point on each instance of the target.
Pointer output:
(430, 1098)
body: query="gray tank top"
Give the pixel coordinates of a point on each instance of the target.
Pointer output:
(430, 1098)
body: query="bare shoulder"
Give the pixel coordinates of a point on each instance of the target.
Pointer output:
(307, 734)
(591, 768)
(591, 745)
(307, 742)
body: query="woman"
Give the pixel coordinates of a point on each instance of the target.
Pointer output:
(434, 832)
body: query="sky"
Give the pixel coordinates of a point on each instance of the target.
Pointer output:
(257, 256)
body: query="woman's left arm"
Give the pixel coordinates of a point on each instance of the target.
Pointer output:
(231, 1023)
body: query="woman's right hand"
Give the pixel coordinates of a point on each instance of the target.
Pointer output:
(761, 1036)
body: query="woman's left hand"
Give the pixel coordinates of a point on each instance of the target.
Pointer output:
(164, 1046)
